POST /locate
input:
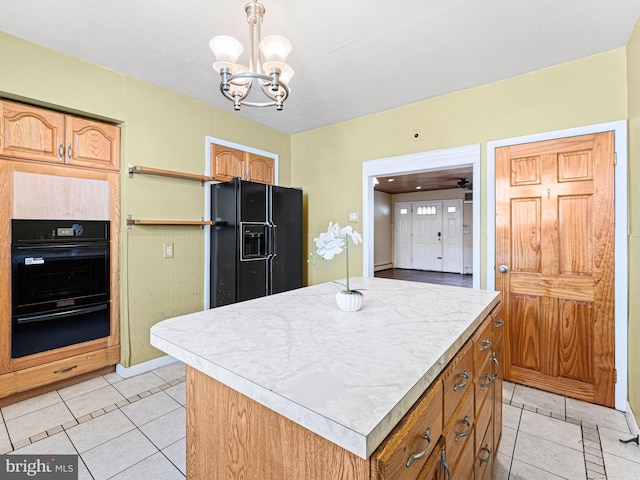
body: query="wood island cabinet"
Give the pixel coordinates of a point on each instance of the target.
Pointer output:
(228, 163)
(56, 166)
(32, 133)
(449, 433)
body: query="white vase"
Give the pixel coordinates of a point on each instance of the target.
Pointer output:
(349, 301)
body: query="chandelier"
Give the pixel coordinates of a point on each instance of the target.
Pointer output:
(267, 68)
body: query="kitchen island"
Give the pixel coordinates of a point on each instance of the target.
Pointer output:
(290, 387)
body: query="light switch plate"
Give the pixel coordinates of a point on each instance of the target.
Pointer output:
(353, 217)
(167, 250)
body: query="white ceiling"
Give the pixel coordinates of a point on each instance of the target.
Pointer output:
(351, 57)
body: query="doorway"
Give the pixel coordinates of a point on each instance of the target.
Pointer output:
(428, 236)
(619, 233)
(431, 161)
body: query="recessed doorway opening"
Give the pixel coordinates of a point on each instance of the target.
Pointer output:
(441, 183)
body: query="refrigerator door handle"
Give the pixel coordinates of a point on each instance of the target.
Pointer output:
(273, 240)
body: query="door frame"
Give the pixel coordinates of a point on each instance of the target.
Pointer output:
(434, 160)
(208, 141)
(621, 250)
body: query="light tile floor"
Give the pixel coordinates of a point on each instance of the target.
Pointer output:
(135, 429)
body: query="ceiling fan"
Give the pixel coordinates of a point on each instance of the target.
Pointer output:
(464, 183)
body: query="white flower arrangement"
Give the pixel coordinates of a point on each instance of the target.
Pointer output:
(333, 241)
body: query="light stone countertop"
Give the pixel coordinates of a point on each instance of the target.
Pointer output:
(347, 376)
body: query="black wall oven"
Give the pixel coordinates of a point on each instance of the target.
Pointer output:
(60, 284)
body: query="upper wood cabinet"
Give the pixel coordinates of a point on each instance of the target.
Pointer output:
(228, 163)
(32, 133)
(92, 144)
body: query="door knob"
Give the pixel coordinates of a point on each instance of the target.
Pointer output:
(503, 269)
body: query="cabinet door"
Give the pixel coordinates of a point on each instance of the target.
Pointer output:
(260, 169)
(92, 144)
(497, 360)
(484, 458)
(227, 163)
(404, 452)
(31, 133)
(434, 469)
(457, 378)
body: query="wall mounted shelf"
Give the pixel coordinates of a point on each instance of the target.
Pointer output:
(150, 223)
(139, 169)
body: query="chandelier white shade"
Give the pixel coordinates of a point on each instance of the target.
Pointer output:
(267, 65)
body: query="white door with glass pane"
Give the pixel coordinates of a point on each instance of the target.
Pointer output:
(429, 236)
(452, 251)
(403, 236)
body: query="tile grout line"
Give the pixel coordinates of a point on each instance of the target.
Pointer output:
(90, 416)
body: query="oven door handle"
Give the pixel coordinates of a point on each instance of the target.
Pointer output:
(58, 315)
(55, 246)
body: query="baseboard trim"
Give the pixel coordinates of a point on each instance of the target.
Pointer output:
(384, 266)
(631, 419)
(126, 372)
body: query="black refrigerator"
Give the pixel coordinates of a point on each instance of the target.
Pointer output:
(256, 241)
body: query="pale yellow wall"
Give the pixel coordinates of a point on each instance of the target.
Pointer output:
(382, 213)
(327, 162)
(633, 86)
(159, 129)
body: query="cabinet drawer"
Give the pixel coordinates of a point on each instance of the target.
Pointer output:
(483, 419)
(484, 383)
(457, 379)
(463, 470)
(29, 378)
(484, 459)
(460, 428)
(482, 343)
(498, 327)
(407, 444)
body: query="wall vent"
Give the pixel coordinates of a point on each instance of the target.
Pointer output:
(468, 197)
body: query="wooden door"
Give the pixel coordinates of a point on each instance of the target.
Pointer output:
(92, 144)
(260, 169)
(555, 234)
(31, 133)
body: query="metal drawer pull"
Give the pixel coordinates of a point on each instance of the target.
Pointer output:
(499, 323)
(485, 460)
(63, 370)
(487, 344)
(463, 384)
(446, 467)
(417, 456)
(61, 151)
(495, 359)
(69, 153)
(460, 435)
(486, 385)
